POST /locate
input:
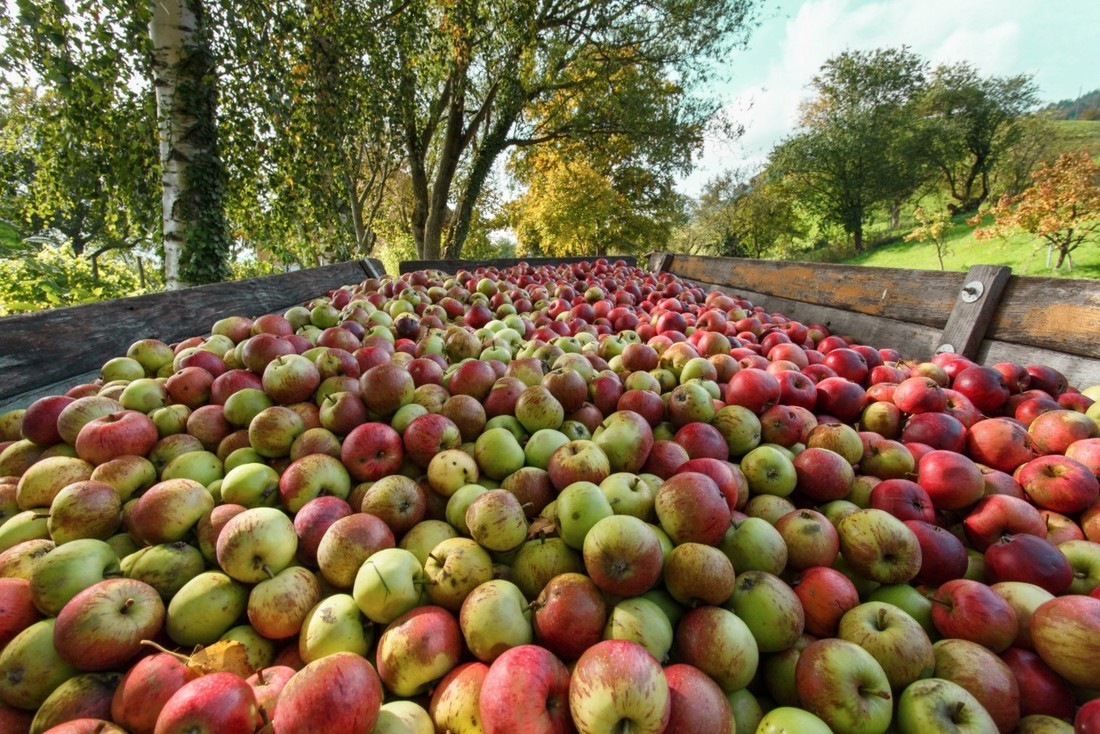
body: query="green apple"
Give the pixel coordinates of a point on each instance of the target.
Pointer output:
(251, 485)
(458, 503)
(30, 667)
(498, 453)
(541, 446)
(389, 583)
(753, 544)
(769, 471)
(580, 505)
(788, 720)
(740, 427)
(909, 599)
(24, 526)
(496, 520)
(259, 650)
(453, 569)
(44, 479)
(879, 547)
(166, 567)
(935, 704)
(769, 607)
(426, 535)
(844, 685)
(256, 544)
(641, 620)
(451, 469)
(494, 617)
(629, 494)
(205, 608)
(539, 560)
(203, 467)
(68, 569)
(335, 624)
(129, 475)
(894, 639)
(403, 717)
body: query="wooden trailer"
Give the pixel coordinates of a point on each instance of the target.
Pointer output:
(987, 314)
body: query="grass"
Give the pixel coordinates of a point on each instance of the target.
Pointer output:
(1026, 255)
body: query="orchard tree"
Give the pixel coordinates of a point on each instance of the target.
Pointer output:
(969, 125)
(1061, 208)
(854, 154)
(475, 79)
(933, 228)
(579, 204)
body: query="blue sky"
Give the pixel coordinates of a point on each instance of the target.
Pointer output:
(1054, 40)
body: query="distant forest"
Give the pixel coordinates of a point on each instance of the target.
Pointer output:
(1085, 107)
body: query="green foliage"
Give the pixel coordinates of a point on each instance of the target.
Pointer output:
(43, 274)
(855, 152)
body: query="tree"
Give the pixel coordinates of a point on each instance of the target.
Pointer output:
(933, 228)
(1061, 208)
(196, 241)
(969, 124)
(855, 152)
(743, 218)
(577, 204)
(467, 94)
(96, 172)
(308, 81)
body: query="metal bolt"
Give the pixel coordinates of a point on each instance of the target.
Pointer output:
(972, 291)
(948, 348)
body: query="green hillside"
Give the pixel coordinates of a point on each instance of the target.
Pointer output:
(1026, 255)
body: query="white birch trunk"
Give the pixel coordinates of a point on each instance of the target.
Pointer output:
(171, 29)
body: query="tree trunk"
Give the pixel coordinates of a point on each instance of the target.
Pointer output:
(192, 177)
(857, 238)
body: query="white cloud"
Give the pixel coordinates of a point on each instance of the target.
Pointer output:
(994, 35)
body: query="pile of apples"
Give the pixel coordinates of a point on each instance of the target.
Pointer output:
(549, 499)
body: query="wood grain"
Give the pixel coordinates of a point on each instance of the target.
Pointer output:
(977, 303)
(1060, 314)
(923, 297)
(48, 347)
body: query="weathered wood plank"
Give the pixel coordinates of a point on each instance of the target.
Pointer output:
(453, 266)
(917, 296)
(974, 309)
(1058, 314)
(49, 346)
(374, 267)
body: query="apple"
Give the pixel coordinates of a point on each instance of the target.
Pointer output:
(718, 643)
(101, 628)
(454, 568)
(698, 704)
(894, 639)
(569, 615)
(30, 667)
(617, 680)
(643, 620)
(334, 624)
(1030, 559)
(1064, 631)
(526, 689)
(145, 688)
(494, 617)
(698, 574)
(256, 544)
(623, 555)
(823, 475)
(454, 705)
(997, 516)
(826, 595)
(844, 685)
(40, 483)
(341, 689)
(943, 555)
(1042, 691)
(216, 702)
(277, 607)
(970, 610)
(769, 607)
(904, 499)
(205, 608)
(372, 451)
(1059, 483)
(935, 704)
(769, 471)
(87, 509)
(754, 544)
(418, 648)
(783, 719)
(953, 481)
(879, 547)
(691, 508)
(347, 543)
(984, 675)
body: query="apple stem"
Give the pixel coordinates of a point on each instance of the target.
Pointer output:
(882, 618)
(959, 708)
(880, 694)
(267, 569)
(161, 648)
(127, 604)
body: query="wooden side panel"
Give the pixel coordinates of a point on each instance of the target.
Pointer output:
(1058, 314)
(453, 266)
(912, 340)
(976, 305)
(50, 346)
(1081, 372)
(923, 297)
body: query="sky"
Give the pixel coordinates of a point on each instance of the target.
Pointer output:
(1053, 40)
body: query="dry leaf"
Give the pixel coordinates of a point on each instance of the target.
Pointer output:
(540, 527)
(224, 656)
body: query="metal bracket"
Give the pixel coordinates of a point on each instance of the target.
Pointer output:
(945, 348)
